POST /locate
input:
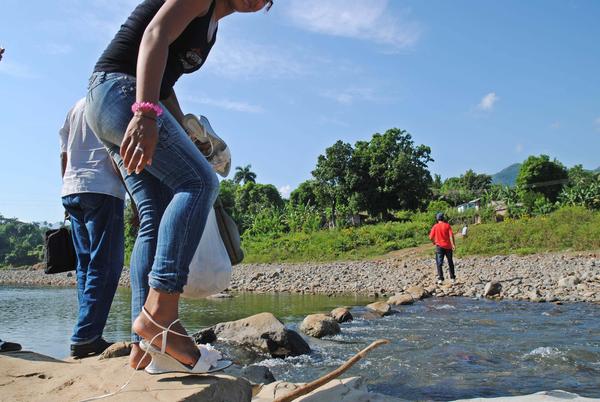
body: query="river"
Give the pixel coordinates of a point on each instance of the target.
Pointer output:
(441, 348)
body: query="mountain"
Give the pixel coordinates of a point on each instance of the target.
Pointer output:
(597, 170)
(508, 175)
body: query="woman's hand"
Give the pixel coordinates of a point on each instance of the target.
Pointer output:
(139, 143)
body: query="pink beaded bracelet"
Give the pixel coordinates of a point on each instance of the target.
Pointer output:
(146, 107)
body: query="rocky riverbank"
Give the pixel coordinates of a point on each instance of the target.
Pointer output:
(541, 277)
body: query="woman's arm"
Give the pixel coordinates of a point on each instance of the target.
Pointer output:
(169, 22)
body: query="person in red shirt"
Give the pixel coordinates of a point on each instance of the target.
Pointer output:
(442, 237)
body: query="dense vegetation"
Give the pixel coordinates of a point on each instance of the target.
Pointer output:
(20, 243)
(378, 195)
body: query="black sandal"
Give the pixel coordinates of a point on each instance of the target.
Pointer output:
(89, 349)
(9, 346)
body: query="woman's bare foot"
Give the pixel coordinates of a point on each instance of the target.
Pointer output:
(137, 360)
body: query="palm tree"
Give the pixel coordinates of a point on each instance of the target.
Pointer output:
(244, 174)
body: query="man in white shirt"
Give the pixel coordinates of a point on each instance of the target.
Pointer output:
(93, 195)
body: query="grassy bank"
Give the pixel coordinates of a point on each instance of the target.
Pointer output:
(338, 244)
(570, 228)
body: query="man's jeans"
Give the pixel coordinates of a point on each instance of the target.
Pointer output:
(173, 195)
(97, 229)
(440, 252)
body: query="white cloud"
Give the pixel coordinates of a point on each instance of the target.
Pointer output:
(56, 49)
(358, 19)
(488, 101)
(226, 104)
(246, 59)
(285, 191)
(349, 95)
(14, 69)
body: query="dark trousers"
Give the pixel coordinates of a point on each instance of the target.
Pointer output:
(439, 259)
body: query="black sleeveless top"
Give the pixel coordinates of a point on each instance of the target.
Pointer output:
(186, 54)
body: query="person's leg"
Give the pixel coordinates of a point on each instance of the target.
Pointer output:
(179, 165)
(101, 220)
(151, 198)
(81, 242)
(104, 221)
(450, 264)
(439, 261)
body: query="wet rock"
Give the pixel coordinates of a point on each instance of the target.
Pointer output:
(205, 336)
(341, 314)
(220, 296)
(380, 308)
(492, 288)
(256, 374)
(401, 300)
(263, 332)
(117, 349)
(319, 325)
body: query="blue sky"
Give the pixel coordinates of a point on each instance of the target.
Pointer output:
(484, 83)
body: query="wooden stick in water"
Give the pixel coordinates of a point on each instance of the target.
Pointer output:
(311, 386)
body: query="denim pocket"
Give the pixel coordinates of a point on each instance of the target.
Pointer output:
(127, 87)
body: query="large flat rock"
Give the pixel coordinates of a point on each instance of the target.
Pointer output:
(28, 376)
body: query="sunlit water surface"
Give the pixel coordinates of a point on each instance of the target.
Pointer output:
(440, 349)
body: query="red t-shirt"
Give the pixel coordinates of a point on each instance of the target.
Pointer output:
(440, 234)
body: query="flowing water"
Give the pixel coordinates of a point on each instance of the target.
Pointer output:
(442, 349)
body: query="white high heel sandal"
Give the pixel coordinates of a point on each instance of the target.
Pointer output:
(208, 362)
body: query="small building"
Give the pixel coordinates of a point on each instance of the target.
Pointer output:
(474, 204)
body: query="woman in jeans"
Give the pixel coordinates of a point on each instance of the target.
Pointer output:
(133, 109)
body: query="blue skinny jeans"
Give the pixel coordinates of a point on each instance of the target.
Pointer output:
(173, 195)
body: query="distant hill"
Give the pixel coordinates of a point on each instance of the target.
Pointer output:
(597, 170)
(508, 175)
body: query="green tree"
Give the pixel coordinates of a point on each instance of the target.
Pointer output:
(331, 174)
(244, 175)
(20, 243)
(580, 176)
(251, 198)
(227, 193)
(470, 185)
(305, 194)
(388, 173)
(541, 175)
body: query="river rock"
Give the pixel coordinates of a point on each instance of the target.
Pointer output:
(568, 281)
(319, 325)
(492, 288)
(341, 314)
(417, 292)
(256, 374)
(220, 296)
(263, 332)
(57, 381)
(117, 349)
(380, 308)
(353, 389)
(401, 299)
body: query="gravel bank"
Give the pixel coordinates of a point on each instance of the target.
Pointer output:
(541, 277)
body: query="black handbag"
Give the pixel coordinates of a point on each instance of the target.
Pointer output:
(59, 252)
